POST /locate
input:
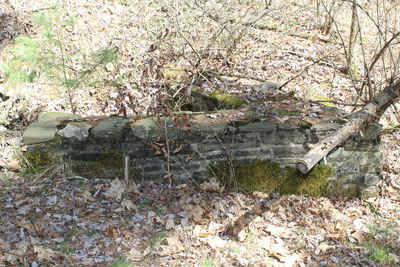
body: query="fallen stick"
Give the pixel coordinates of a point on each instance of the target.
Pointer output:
(371, 110)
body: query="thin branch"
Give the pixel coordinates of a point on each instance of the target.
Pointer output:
(301, 72)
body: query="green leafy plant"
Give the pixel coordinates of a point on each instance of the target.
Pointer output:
(52, 58)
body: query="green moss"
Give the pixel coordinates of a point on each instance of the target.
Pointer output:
(38, 162)
(315, 183)
(227, 100)
(269, 177)
(173, 72)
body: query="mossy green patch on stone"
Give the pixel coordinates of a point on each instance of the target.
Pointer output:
(269, 177)
(315, 183)
(39, 162)
(228, 101)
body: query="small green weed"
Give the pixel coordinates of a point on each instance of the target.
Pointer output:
(66, 249)
(7, 182)
(372, 209)
(379, 253)
(207, 262)
(72, 233)
(121, 262)
(93, 232)
(382, 241)
(157, 238)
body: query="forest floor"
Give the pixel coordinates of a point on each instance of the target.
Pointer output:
(78, 221)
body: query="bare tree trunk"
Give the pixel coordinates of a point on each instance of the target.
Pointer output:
(352, 55)
(372, 110)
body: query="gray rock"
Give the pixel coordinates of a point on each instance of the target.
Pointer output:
(371, 132)
(349, 190)
(371, 179)
(40, 132)
(49, 116)
(111, 128)
(150, 128)
(75, 132)
(258, 127)
(267, 86)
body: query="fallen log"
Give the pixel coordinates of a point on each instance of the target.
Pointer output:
(372, 110)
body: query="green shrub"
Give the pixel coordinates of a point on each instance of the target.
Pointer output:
(52, 58)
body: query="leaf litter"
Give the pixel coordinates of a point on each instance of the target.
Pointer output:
(93, 222)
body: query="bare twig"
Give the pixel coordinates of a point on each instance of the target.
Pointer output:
(301, 72)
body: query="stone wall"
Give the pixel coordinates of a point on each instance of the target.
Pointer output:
(196, 140)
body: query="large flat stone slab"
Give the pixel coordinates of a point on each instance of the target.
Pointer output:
(45, 128)
(110, 128)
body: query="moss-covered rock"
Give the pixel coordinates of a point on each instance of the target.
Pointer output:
(269, 177)
(201, 102)
(40, 162)
(227, 101)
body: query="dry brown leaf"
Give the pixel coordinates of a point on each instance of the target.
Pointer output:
(357, 235)
(43, 253)
(242, 235)
(88, 196)
(110, 231)
(278, 231)
(174, 240)
(128, 205)
(170, 224)
(116, 189)
(134, 254)
(215, 242)
(195, 213)
(14, 165)
(260, 195)
(178, 148)
(211, 186)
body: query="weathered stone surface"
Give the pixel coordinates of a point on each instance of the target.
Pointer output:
(40, 132)
(48, 116)
(75, 133)
(371, 132)
(258, 127)
(349, 190)
(110, 128)
(267, 86)
(151, 127)
(45, 128)
(326, 127)
(371, 179)
(208, 127)
(369, 192)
